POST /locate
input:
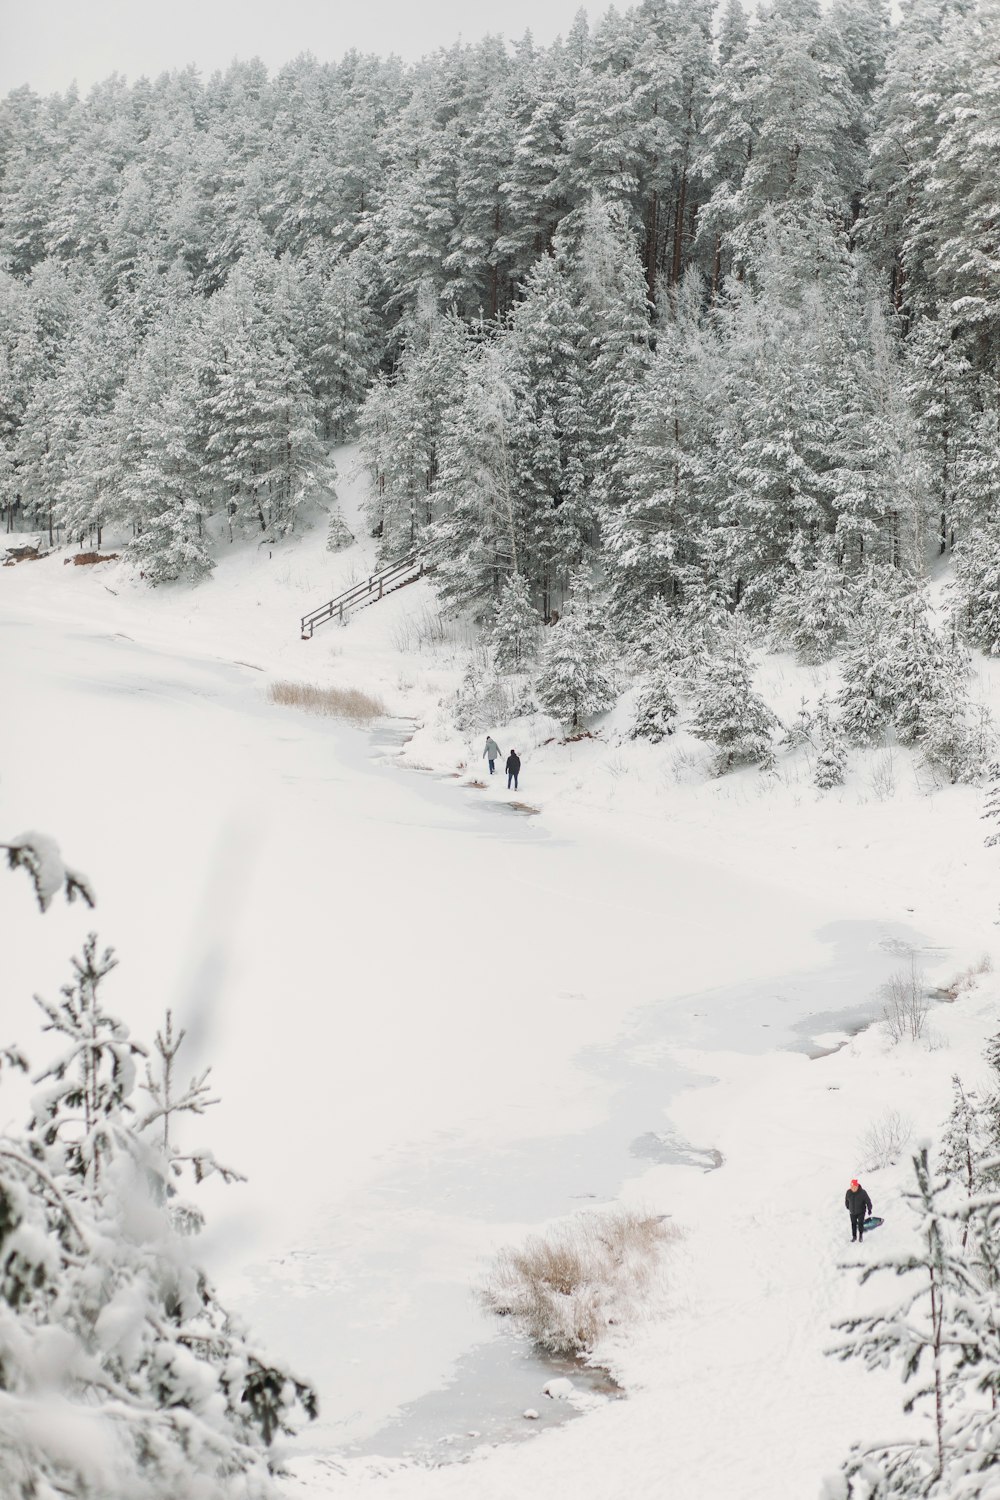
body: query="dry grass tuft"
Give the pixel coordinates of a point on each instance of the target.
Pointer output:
(566, 1287)
(338, 703)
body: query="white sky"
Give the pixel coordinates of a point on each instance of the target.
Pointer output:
(49, 43)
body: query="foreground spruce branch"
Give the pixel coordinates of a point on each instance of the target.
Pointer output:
(121, 1374)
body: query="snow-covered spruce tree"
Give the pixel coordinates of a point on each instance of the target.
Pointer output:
(108, 1322)
(122, 1376)
(338, 533)
(899, 671)
(655, 707)
(968, 1155)
(731, 714)
(810, 613)
(958, 737)
(945, 1332)
(991, 810)
(977, 559)
(514, 633)
(576, 677)
(830, 765)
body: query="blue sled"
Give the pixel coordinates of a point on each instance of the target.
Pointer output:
(872, 1224)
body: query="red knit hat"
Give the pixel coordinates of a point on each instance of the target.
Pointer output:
(854, 1182)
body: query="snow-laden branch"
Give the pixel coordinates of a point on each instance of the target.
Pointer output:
(39, 855)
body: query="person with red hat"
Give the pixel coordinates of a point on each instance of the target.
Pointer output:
(859, 1206)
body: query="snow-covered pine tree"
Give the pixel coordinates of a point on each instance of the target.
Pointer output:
(401, 425)
(731, 714)
(514, 633)
(945, 1332)
(655, 707)
(122, 1374)
(810, 613)
(831, 748)
(666, 496)
(899, 670)
(338, 533)
(576, 676)
(158, 1391)
(968, 1156)
(478, 539)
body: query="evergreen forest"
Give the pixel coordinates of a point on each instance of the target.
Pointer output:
(704, 303)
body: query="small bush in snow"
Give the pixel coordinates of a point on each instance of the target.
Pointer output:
(958, 742)
(905, 1005)
(885, 1140)
(565, 1287)
(339, 703)
(486, 699)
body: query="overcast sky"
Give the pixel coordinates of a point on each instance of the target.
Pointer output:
(49, 43)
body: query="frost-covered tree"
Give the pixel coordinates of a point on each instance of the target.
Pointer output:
(666, 497)
(943, 1334)
(576, 672)
(656, 708)
(730, 713)
(968, 1155)
(810, 614)
(899, 671)
(478, 540)
(338, 533)
(514, 632)
(122, 1374)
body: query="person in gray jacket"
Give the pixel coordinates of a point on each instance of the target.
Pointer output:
(492, 752)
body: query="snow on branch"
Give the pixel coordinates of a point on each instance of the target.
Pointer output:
(40, 856)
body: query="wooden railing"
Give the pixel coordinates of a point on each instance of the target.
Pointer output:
(394, 576)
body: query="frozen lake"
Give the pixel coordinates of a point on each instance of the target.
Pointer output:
(432, 1028)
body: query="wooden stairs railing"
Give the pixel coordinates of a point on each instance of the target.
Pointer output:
(386, 580)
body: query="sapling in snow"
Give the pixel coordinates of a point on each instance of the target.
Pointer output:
(338, 533)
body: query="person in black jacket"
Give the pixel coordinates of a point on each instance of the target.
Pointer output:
(859, 1206)
(512, 768)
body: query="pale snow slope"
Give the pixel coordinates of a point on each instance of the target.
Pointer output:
(381, 973)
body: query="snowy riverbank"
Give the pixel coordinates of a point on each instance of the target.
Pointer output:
(404, 995)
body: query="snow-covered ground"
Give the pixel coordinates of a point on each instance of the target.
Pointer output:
(436, 1023)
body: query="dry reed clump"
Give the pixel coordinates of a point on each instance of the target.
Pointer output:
(564, 1288)
(339, 703)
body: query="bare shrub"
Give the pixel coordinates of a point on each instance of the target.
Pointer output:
(883, 777)
(565, 1287)
(905, 1005)
(885, 1140)
(338, 703)
(430, 627)
(967, 978)
(401, 635)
